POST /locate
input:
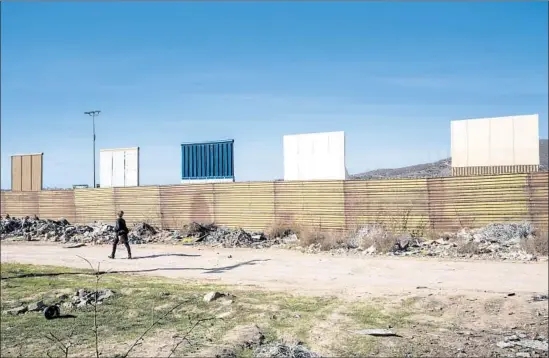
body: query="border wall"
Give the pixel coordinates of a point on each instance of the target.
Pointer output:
(440, 204)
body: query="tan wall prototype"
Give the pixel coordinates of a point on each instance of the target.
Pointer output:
(440, 204)
(496, 142)
(26, 172)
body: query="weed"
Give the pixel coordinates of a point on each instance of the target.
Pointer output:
(537, 244)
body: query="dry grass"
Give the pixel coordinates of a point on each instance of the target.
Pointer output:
(537, 244)
(327, 239)
(280, 228)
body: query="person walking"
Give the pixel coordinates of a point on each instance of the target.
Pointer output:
(121, 231)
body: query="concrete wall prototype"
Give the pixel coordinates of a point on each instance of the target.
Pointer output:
(315, 156)
(501, 143)
(119, 167)
(27, 172)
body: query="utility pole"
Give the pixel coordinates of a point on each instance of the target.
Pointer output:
(93, 114)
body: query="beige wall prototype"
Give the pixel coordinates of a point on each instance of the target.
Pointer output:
(498, 142)
(27, 172)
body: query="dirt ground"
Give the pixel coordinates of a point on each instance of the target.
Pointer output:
(439, 308)
(283, 270)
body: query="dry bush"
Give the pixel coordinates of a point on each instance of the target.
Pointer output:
(327, 239)
(384, 243)
(281, 228)
(537, 244)
(375, 235)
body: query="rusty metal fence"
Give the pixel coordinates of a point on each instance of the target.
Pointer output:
(440, 204)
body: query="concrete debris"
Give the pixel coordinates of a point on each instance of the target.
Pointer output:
(494, 241)
(16, 311)
(212, 296)
(141, 233)
(538, 298)
(284, 350)
(519, 340)
(35, 307)
(83, 298)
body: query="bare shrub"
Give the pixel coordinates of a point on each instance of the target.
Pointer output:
(327, 239)
(280, 228)
(537, 244)
(375, 235)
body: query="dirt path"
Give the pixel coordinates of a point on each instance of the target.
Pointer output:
(296, 272)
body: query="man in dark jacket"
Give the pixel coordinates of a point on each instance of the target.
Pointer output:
(121, 231)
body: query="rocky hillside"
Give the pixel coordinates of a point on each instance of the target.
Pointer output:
(439, 168)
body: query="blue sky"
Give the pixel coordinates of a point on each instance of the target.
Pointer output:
(391, 75)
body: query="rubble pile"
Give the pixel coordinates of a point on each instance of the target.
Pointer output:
(142, 233)
(494, 241)
(83, 298)
(55, 230)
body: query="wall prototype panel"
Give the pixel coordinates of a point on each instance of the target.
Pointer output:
(36, 172)
(119, 167)
(526, 140)
(105, 169)
(26, 173)
(16, 172)
(315, 156)
(499, 145)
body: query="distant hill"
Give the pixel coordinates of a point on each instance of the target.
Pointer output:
(441, 168)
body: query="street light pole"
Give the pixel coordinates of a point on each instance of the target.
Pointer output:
(93, 114)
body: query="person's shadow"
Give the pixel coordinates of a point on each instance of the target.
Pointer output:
(162, 255)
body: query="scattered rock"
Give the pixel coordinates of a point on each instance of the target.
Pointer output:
(284, 350)
(212, 296)
(538, 298)
(504, 345)
(37, 306)
(17, 310)
(532, 344)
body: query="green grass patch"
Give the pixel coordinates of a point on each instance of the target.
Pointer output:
(140, 300)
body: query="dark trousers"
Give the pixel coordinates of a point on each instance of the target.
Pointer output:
(123, 238)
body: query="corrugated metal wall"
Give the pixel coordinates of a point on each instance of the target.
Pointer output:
(211, 160)
(494, 170)
(441, 204)
(26, 172)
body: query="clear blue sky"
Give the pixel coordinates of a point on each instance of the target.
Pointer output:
(391, 75)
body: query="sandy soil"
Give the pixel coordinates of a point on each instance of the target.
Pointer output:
(284, 270)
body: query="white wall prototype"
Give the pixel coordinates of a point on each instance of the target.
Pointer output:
(315, 156)
(119, 167)
(498, 141)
